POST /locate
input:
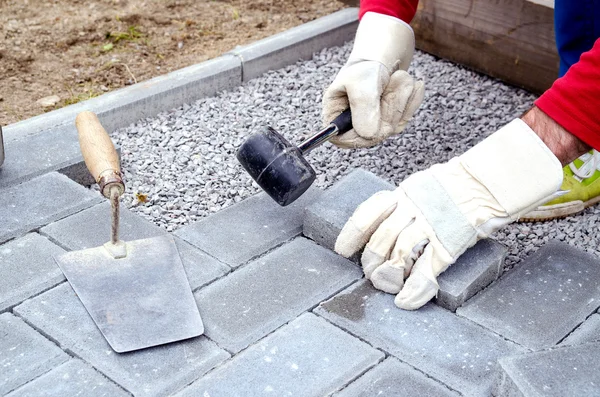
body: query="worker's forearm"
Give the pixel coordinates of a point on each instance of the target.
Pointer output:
(565, 146)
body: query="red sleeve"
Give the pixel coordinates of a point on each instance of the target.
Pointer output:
(402, 9)
(573, 101)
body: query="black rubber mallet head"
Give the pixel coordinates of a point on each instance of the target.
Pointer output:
(279, 167)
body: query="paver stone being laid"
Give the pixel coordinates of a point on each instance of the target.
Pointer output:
(325, 218)
(24, 354)
(392, 378)
(446, 347)
(559, 372)
(27, 268)
(253, 301)
(307, 357)
(39, 201)
(73, 378)
(474, 270)
(542, 300)
(155, 371)
(245, 230)
(589, 331)
(91, 228)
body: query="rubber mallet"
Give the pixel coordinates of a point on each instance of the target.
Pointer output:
(279, 167)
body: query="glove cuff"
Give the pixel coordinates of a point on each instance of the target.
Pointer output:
(384, 39)
(516, 166)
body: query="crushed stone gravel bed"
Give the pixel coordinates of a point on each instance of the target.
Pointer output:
(180, 166)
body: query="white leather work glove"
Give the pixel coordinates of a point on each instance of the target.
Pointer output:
(416, 231)
(374, 83)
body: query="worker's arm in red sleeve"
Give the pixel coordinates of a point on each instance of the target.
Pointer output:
(573, 101)
(401, 9)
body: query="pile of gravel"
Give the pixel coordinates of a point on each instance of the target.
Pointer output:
(184, 160)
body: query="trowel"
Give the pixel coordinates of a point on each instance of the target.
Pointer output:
(136, 292)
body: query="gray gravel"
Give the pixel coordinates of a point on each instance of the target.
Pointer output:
(184, 160)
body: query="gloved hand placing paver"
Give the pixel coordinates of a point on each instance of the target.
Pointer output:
(374, 83)
(416, 231)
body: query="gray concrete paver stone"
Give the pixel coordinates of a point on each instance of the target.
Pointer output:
(40, 201)
(27, 268)
(24, 354)
(253, 301)
(155, 371)
(325, 217)
(393, 378)
(474, 270)
(301, 42)
(559, 372)
(307, 357)
(589, 331)
(91, 228)
(73, 378)
(245, 230)
(541, 301)
(434, 340)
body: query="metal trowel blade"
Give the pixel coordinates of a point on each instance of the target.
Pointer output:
(139, 301)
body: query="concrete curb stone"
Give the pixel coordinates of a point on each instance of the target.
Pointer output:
(40, 201)
(91, 228)
(73, 378)
(393, 378)
(24, 354)
(307, 357)
(252, 226)
(297, 43)
(558, 372)
(541, 301)
(439, 343)
(257, 299)
(155, 371)
(27, 268)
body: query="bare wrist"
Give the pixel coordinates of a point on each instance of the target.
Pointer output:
(565, 146)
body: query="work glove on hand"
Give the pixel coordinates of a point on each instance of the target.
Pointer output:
(423, 226)
(374, 83)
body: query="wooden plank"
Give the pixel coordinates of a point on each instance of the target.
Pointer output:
(509, 39)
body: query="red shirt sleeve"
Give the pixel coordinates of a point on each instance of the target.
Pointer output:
(573, 101)
(401, 9)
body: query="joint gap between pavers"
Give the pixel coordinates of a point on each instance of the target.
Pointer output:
(46, 335)
(206, 284)
(11, 307)
(358, 375)
(310, 309)
(577, 326)
(385, 352)
(490, 331)
(40, 375)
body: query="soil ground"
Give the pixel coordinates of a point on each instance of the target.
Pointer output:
(79, 49)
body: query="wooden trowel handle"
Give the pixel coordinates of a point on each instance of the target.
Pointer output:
(99, 153)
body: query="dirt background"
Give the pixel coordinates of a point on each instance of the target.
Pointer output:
(77, 50)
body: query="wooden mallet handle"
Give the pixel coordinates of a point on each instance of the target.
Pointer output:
(99, 153)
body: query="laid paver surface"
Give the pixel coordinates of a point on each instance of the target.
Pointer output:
(24, 353)
(565, 371)
(270, 291)
(156, 371)
(39, 201)
(448, 348)
(393, 378)
(307, 357)
(73, 378)
(589, 331)
(27, 268)
(543, 300)
(253, 226)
